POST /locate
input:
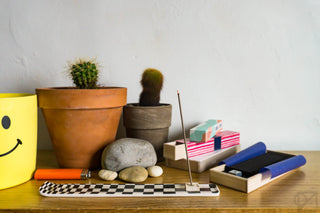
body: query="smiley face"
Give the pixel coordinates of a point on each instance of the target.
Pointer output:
(5, 124)
(18, 138)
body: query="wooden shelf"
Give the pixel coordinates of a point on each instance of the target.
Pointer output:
(299, 190)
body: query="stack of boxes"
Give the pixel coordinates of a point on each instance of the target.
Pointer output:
(207, 145)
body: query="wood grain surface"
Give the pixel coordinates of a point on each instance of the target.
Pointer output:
(298, 191)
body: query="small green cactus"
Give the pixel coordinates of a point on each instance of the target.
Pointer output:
(84, 73)
(151, 82)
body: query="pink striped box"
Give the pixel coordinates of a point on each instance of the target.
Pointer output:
(225, 139)
(198, 148)
(221, 140)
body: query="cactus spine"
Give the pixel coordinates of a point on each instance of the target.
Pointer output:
(151, 82)
(84, 73)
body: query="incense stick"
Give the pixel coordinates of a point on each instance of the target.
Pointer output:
(184, 138)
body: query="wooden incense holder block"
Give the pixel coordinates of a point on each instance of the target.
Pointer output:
(256, 166)
(217, 175)
(203, 162)
(174, 151)
(205, 131)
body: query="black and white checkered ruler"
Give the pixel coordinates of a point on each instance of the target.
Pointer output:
(50, 189)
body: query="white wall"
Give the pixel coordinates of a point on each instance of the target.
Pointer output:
(253, 64)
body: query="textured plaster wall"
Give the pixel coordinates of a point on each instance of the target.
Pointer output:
(253, 64)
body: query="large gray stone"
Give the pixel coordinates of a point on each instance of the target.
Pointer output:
(128, 152)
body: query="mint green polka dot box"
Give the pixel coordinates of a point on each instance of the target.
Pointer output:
(205, 131)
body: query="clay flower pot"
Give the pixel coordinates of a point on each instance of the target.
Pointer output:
(150, 123)
(81, 122)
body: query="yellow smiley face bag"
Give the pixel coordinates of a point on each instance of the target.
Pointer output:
(18, 138)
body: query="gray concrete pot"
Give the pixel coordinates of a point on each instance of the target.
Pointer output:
(150, 123)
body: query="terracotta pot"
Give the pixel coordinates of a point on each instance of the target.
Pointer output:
(150, 123)
(81, 122)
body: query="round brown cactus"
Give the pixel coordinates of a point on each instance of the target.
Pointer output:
(152, 81)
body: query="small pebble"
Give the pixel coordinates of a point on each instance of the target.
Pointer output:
(155, 171)
(134, 174)
(107, 174)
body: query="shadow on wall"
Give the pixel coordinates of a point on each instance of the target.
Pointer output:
(121, 133)
(178, 133)
(44, 141)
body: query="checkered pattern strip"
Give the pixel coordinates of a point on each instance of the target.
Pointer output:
(50, 189)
